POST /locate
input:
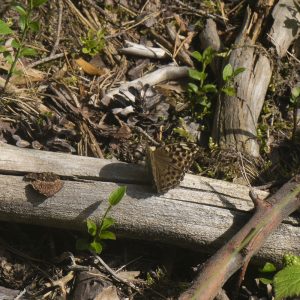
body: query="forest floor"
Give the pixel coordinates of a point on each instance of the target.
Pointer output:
(71, 56)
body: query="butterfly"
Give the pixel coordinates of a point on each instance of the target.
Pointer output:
(46, 183)
(169, 163)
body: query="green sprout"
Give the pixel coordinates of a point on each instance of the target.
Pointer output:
(93, 43)
(201, 91)
(98, 231)
(228, 77)
(26, 24)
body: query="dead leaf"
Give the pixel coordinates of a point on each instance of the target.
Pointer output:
(89, 68)
(26, 74)
(61, 72)
(181, 23)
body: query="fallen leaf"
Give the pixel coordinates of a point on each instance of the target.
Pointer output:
(89, 68)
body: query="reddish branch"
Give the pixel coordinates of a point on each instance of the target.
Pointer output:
(239, 250)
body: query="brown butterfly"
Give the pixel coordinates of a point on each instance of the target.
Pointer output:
(169, 163)
(46, 183)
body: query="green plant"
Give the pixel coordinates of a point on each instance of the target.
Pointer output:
(94, 42)
(295, 103)
(285, 281)
(26, 24)
(262, 133)
(183, 131)
(159, 274)
(228, 77)
(98, 231)
(199, 93)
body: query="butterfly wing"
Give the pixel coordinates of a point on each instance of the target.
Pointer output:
(46, 183)
(169, 164)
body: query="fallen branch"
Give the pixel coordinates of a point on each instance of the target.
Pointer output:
(144, 51)
(158, 76)
(239, 250)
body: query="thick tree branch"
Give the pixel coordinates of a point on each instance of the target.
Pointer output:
(239, 250)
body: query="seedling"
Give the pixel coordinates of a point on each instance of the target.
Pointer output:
(26, 24)
(228, 77)
(202, 92)
(98, 231)
(94, 42)
(199, 92)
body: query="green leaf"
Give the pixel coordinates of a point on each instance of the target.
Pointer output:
(116, 196)
(20, 10)
(238, 71)
(107, 222)
(183, 133)
(34, 26)
(193, 87)
(22, 22)
(107, 235)
(208, 55)
(209, 88)
(15, 44)
(37, 3)
(227, 72)
(197, 56)
(296, 92)
(229, 91)
(8, 57)
(95, 247)
(82, 244)
(268, 268)
(287, 282)
(195, 74)
(224, 54)
(85, 50)
(91, 227)
(268, 272)
(28, 52)
(4, 28)
(204, 102)
(3, 49)
(265, 280)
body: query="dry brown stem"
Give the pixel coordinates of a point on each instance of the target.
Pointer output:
(239, 250)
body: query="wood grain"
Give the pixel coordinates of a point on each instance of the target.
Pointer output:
(201, 214)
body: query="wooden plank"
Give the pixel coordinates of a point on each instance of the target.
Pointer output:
(201, 214)
(18, 160)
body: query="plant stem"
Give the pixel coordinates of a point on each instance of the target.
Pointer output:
(99, 228)
(24, 33)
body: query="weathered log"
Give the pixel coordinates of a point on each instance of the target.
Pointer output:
(285, 28)
(201, 214)
(236, 116)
